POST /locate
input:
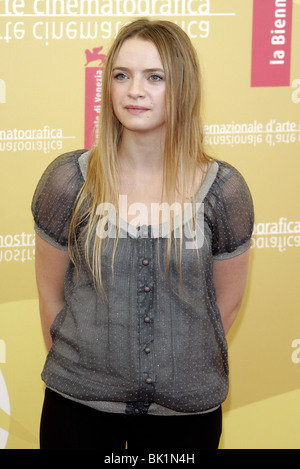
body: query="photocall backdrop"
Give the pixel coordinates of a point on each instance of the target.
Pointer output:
(51, 58)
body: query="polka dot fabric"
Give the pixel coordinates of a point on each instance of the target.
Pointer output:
(148, 346)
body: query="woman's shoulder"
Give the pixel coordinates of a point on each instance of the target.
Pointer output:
(230, 212)
(229, 180)
(55, 196)
(63, 174)
(229, 192)
(66, 163)
(226, 171)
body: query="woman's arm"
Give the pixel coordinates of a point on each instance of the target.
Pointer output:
(51, 265)
(230, 279)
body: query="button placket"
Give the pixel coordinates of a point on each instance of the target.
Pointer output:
(145, 305)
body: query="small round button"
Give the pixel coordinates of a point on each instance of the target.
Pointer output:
(146, 319)
(145, 262)
(136, 411)
(146, 289)
(147, 350)
(148, 380)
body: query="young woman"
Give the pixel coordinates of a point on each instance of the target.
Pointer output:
(142, 252)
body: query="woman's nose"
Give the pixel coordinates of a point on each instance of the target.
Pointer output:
(136, 89)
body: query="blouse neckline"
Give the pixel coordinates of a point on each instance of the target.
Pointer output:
(162, 229)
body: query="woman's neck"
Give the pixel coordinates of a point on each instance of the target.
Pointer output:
(141, 152)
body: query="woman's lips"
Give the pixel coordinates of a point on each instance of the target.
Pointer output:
(136, 109)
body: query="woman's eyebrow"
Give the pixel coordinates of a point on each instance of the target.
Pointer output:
(125, 69)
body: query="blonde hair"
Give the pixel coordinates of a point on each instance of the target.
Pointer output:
(183, 150)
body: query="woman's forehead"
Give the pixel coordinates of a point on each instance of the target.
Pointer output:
(138, 53)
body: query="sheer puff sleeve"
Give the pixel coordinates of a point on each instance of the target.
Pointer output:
(231, 213)
(54, 199)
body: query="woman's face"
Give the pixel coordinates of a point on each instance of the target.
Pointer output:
(138, 87)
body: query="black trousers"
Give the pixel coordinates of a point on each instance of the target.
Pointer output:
(66, 424)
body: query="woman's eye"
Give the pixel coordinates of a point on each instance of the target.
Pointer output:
(156, 78)
(120, 76)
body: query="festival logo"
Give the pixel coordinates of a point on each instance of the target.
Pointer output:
(271, 42)
(18, 247)
(281, 235)
(44, 139)
(254, 133)
(93, 91)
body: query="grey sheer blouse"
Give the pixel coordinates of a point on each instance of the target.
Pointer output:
(145, 349)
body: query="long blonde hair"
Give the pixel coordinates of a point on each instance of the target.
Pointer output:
(183, 150)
